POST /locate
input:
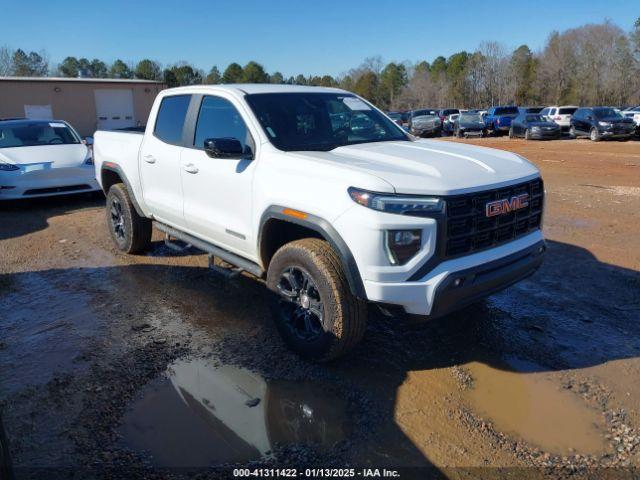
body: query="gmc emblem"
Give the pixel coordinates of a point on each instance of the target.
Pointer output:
(498, 207)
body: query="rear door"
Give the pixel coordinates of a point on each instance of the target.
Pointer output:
(160, 161)
(114, 108)
(218, 191)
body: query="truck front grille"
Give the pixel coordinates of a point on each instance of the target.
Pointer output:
(468, 229)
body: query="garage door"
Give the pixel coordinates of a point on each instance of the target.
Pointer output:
(114, 109)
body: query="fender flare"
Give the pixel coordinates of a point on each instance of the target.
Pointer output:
(115, 168)
(326, 231)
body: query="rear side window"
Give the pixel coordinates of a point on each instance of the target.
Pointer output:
(506, 111)
(170, 119)
(567, 111)
(218, 118)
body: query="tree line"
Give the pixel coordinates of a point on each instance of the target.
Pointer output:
(588, 65)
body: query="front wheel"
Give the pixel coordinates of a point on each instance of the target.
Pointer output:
(527, 135)
(572, 132)
(595, 135)
(130, 232)
(313, 308)
(511, 134)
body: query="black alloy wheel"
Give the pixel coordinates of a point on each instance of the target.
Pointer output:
(301, 307)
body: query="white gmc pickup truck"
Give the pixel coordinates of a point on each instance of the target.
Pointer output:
(326, 198)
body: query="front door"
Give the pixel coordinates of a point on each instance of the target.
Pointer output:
(160, 161)
(217, 191)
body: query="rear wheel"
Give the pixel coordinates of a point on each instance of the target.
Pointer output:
(130, 232)
(313, 308)
(595, 135)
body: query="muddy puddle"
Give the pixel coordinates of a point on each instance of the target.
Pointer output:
(530, 406)
(198, 415)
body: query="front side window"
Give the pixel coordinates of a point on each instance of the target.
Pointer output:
(218, 118)
(170, 119)
(320, 121)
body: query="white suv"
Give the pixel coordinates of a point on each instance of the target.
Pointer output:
(326, 198)
(560, 115)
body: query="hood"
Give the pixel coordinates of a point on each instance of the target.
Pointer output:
(426, 119)
(543, 124)
(57, 156)
(430, 166)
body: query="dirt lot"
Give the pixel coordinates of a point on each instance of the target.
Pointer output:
(144, 366)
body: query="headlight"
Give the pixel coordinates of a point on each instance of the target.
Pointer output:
(604, 124)
(535, 129)
(402, 245)
(398, 204)
(8, 167)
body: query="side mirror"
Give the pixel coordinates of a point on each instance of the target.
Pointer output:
(88, 141)
(224, 148)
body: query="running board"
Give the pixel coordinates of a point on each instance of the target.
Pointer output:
(232, 258)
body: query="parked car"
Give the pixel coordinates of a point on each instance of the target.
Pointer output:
(534, 127)
(427, 124)
(40, 158)
(498, 119)
(530, 109)
(279, 210)
(601, 122)
(421, 113)
(449, 123)
(634, 114)
(469, 124)
(560, 115)
(444, 113)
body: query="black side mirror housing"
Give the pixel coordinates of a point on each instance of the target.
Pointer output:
(230, 148)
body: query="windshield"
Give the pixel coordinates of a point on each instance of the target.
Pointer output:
(31, 134)
(320, 121)
(422, 113)
(606, 113)
(535, 118)
(470, 117)
(506, 111)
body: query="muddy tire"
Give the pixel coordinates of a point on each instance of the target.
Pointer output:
(594, 135)
(572, 132)
(313, 308)
(527, 134)
(130, 232)
(511, 135)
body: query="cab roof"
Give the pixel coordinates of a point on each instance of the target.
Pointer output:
(251, 88)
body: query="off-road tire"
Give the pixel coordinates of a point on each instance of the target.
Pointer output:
(345, 315)
(594, 135)
(136, 233)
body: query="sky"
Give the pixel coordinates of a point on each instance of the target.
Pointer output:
(308, 37)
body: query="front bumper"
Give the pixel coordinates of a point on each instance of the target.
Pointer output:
(544, 135)
(47, 182)
(482, 274)
(617, 134)
(425, 130)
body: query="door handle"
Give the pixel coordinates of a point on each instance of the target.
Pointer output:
(149, 159)
(190, 168)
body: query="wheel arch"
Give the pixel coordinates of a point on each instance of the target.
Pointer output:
(278, 228)
(110, 174)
